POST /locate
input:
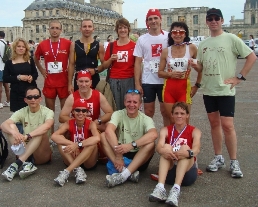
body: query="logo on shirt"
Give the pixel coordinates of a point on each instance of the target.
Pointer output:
(156, 50)
(90, 107)
(122, 56)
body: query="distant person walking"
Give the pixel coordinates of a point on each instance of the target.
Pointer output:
(251, 42)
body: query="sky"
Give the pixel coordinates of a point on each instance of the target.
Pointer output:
(12, 11)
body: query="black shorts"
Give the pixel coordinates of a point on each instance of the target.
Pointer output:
(150, 91)
(189, 178)
(130, 155)
(224, 104)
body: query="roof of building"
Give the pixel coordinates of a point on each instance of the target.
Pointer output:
(69, 4)
(254, 3)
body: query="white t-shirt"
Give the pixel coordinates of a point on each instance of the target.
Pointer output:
(251, 43)
(149, 48)
(2, 46)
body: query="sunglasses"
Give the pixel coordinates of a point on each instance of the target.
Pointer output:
(81, 110)
(178, 32)
(210, 19)
(133, 91)
(31, 97)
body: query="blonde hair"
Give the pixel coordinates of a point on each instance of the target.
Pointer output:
(26, 55)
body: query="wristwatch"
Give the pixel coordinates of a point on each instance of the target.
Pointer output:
(29, 137)
(99, 121)
(96, 70)
(198, 85)
(80, 145)
(240, 77)
(190, 154)
(134, 144)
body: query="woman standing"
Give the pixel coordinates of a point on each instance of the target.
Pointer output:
(176, 58)
(122, 60)
(251, 42)
(21, 72)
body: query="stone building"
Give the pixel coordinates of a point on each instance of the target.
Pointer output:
(39, 13)
(194, 17)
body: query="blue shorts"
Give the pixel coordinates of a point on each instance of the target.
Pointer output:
(150, 91)
(1, 75)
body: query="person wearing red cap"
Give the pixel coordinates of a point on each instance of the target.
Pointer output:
(217, 59)
(81, 150)
(95, 101)
(149, 47)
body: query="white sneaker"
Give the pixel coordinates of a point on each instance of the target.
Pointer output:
(114, 179)
(134, 177)
(235, 169)
(80, 175)
(28, 169)
(217, 163)
(6, 104)
(158, 194)
(1, 106)
(62, 178)
(10, 172)
(173, 197)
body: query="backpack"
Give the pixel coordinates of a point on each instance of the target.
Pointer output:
(7, 52)
(3, 149)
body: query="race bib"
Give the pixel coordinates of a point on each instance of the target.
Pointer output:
(154, 66)
(179, 64)
(176, 147)
(54, 67)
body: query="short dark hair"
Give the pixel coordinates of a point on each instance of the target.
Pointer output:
(87, 20)
(2, 34)
(182, 105)
(178, 24)
(32, 88)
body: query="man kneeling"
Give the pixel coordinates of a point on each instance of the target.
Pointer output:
(36, 121)
(178, 147)
(81, 150)
(130, 134)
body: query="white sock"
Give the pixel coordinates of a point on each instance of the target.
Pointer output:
(123, 169)
(219, 156)
(160, 185)
(125, 174)
(177, 186)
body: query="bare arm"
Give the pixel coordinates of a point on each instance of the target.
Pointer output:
(58, 135)
(43, 128)
(101, 57)
(39, 66)
(196, 134)
(147, 138)
(66, 110)
(95, 138)
(6, 127)
(162, 65)
(106, 108)
(137, 74)
(71, 67)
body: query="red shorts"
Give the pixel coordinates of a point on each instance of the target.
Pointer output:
(61, 92)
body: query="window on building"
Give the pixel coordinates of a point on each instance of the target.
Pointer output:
(37, 13)
(72, 28)
(57, 12)
(195, 33)
(50, 13)
(37, 28)
(252, 19)
(44, 28)
(37, 39)
(195, 19)
(43, 13)
(169, 21)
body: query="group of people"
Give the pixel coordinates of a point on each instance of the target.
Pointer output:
(157, 65)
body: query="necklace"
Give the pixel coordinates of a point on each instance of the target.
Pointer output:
(182, 43)
(174, 140)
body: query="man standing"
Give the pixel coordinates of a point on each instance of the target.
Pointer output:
(84, 55)
(36, 120)
(56, 54)
(6, 86)
(130, 134)
(148, 48)
(217, 59)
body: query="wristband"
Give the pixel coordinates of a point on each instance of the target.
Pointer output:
(29, 137)
(198, 85)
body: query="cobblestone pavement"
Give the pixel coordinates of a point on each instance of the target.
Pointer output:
(210, 189)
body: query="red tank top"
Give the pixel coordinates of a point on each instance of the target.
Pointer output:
(79, 135)
(185, 138)
(93, 103)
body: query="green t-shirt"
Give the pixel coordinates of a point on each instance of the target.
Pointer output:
(218, 56)
(30, 121)
(130, 129)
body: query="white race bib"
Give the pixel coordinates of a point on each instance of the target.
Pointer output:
(154, 65)
(179, 64)
(54, 67)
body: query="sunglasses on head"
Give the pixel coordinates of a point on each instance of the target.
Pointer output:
(178, 32)
(133, 91)
(31, 97)
(210, 19)
(81, 110)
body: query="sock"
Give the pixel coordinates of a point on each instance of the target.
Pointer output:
(177, 187)
(19, 163)
(160, 185)
(125, 174)
(219, 156)
(123, 169)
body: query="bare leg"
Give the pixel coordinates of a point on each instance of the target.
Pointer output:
(50, 103)
(62, 102)
(7, 92)
(1, 89)
(149, 109)
(168, 109)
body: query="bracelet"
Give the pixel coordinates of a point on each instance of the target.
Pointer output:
(96, 70)
(19, 77)
(198, 85)
(29, 137)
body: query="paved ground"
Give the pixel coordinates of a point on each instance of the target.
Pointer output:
(211, 189)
